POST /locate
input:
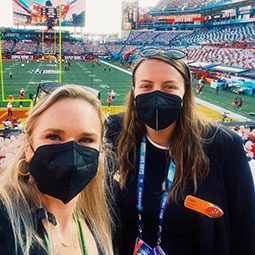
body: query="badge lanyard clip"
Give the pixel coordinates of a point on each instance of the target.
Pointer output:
(140, 226)
(140, 190)
(159, 235)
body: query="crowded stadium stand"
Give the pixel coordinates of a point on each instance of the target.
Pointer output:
(229, 35)
(165, 5)
(25, 47)
(99, 49)
(73, 48)
(46, 48)
(7, 46)
(182, 5)
(128, 48)
(218, 37)
(113, 48)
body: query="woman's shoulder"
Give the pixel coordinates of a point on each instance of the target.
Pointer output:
(226, 147)
(3, 210)
(113, 125)
(222, 136)
(4, 218)
(6, 233)
(114, 122)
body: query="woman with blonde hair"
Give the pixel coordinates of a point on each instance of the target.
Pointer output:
(52, 193)
(185, 186)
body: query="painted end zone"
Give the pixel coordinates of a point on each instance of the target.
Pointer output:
(21, 113)
(207, 112)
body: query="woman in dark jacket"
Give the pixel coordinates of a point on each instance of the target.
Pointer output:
(184, 185)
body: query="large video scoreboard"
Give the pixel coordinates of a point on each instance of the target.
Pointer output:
(41, 12)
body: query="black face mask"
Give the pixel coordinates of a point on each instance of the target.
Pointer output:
(158, 109)
(63, 170)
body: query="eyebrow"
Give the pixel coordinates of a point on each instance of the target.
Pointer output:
(61, 131)
(145, 81)
(56, 130)
(168, 81)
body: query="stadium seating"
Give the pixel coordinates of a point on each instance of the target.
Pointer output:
(114, 48)
(248, 136)
(218, 34)
(8, 147)
(48, 48)
(97, 49)
(128, 48)
(165, 5)
(7, 46)
(218, 46)
(73, 47)
(25, 47)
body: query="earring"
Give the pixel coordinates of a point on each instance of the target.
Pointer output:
(18, 168)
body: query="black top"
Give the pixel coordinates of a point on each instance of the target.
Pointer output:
(7, 246)
(185, 232)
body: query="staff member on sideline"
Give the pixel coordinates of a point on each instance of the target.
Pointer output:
(185, 186)
(52, 198)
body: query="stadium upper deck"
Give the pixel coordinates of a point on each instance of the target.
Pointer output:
(182, 5)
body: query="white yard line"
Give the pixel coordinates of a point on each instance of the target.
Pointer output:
(116, 67)
(198, 100)
(28, 84)
(222, 110)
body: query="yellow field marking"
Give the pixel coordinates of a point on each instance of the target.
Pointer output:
(208, 113)
(60, 40)
(114, 109)
(211, 114)
(1, 68)
(3, 115)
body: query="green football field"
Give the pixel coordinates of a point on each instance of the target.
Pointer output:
(81, 73)
(96, 77)
(225, 98)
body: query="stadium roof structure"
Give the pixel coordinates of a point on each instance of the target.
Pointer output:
(199, 64)
(249, 74)
(228, 69)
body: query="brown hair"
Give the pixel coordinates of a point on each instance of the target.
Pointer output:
(185, 145)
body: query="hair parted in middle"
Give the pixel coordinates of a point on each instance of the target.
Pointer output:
(185, 144)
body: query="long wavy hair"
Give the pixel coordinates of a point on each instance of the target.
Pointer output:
(20, 195)
(185, 144)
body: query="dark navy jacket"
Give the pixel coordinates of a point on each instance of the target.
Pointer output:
(185, 232)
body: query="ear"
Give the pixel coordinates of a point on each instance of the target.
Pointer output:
(28, 151)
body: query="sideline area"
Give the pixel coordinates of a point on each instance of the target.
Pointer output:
(213, 112)
(117, 79)
(218, 109)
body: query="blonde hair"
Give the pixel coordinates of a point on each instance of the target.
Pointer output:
(185, 145)
(20, 195)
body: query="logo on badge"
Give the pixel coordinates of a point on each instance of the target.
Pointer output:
(199, 205)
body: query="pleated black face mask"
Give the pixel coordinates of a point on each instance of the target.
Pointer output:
(63, 170)
(158, 109)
